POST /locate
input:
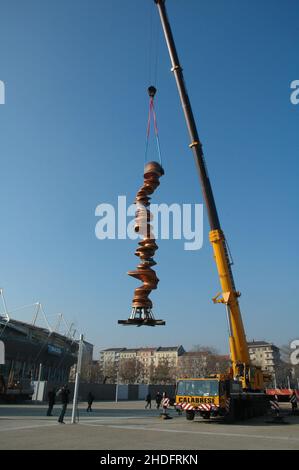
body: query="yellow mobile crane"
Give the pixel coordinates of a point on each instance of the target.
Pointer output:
(239, 393)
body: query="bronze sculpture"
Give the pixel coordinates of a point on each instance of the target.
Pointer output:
(141, 313)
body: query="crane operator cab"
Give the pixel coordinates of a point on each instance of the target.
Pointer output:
(218, 395)
(203, 396)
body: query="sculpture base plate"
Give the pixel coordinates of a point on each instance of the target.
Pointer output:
(141, 322)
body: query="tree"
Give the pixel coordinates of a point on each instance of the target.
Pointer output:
(192, 364)
(163, 373)
(218, 364)
(202, 361)
(96, 374)
(110, 372)
(151, 373)
(204, 349)
(128, 370)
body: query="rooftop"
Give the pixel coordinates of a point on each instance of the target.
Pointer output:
(170, 348)
(159, 349)
(255, 344)
(125, 350)
(113, 349)
(195, 353)
(23, 328)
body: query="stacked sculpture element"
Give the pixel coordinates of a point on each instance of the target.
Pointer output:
(142, 306)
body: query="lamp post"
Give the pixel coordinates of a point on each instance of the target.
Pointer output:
(77, 379)
(38, 382)
(116, 389)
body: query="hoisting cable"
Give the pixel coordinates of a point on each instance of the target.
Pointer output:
(152, 115)
(156, 54)
(150, 45)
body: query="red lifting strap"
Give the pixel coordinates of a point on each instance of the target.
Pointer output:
(152, 113)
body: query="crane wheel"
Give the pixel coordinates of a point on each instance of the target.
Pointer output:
(190, 415)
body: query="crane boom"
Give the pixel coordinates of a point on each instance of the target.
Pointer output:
(237, 339)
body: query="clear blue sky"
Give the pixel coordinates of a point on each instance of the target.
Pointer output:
(72, 137)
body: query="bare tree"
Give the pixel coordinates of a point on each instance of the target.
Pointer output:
(218, 364)
(204, 349)
(143, 372)
(128, 370)
(202, 361)
(163, 373)
(151, 373)
(192, 364)
(110, 372)
(96, 374)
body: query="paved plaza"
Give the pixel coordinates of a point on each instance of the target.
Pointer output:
(127, 425)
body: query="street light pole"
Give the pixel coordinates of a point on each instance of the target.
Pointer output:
(77, 379)
(116, 389)
(38, 381)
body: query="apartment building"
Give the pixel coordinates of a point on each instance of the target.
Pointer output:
(266, 355)
(169, 355)
(146, 359)
(109, 363)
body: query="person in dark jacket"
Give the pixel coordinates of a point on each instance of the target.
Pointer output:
(64, 395)
(51, 401)
(148, 400)
(90, 399)
(158, 399)
(2, 384)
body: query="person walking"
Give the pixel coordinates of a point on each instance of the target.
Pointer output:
(90, 399)
(51, 401)
(158, 400)
(148, 400)
(64, 394)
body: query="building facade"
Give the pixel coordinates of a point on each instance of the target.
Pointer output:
(266, 355)
(109, 363)
(146, 364)
(138, 365)
(127, 354)
(30, 349)
(169, 355)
